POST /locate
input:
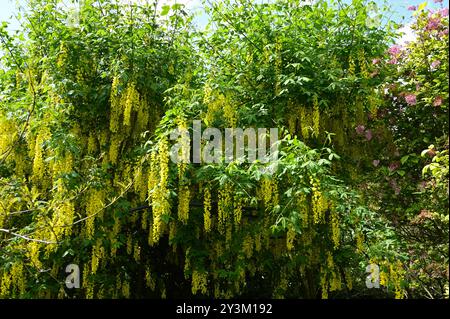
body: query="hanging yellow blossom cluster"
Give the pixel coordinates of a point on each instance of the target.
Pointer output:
(149, 279)
(199, 282)
(227, 212)
(373, 102)
(214, 105)
(247, 246)
(94, 206)
(12, 282)
(64, 213)
(131, 103)
(140, 182)
(396, 274)
(223, 206)
(335, 228)
(115, 107)
(63, 55)
(268, 193)
(362, 62)
(324, 284)
(39, 153)
(391, 275)
(62, 220)
(184, 193)
(160, 197)
(290, 237)
(8, 133)
(359, 242)
(207, 209)
(218, 103)
(183, 203)
(351, 66)
(330, 278)
(98, 254)
(319, 203)
(303, 206)
(282, 285)
(316, 117)
(305, 121)
(229, 112)
(237, 212)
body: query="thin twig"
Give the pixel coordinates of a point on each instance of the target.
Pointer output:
(27, 238)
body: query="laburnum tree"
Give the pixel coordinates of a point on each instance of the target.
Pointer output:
(90, 95)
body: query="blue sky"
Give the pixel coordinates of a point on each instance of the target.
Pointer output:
(400, 7)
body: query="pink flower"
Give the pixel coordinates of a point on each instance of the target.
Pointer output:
(360, 129)
(395, 50)
(437, 101)
(443, 12)
(393, 61)
(393, 166)
(368, 135)
(411, 99)
(435, 64)
(375, 163)
(375, 61)
(443, 32)
(412, 8)
(433, 24)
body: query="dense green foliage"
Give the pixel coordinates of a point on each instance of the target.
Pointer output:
(89, 96)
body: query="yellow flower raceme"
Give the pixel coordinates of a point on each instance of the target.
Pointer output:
(8, 133)
(223, 206)
(335, 228)
(229, 112)
(316, 117)
(114, 148)
(363, 64)
(237, 210)
(160, 200)
(183, 203)
(305, 122)
(324, 284)
(92, 144)
(207, 209)
(396, 276)
(115, 109)
(351, 66)
(199, 282)
(359, 242)
(319, 203)
(131, 103)
(290, 237)
(39, 153)
(247, 246)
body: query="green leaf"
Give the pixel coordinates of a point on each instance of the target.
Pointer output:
(165, 10)
(401, 172)
(404, 159)
(422, 6)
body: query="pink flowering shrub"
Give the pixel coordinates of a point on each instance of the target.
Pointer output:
(417, 103)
